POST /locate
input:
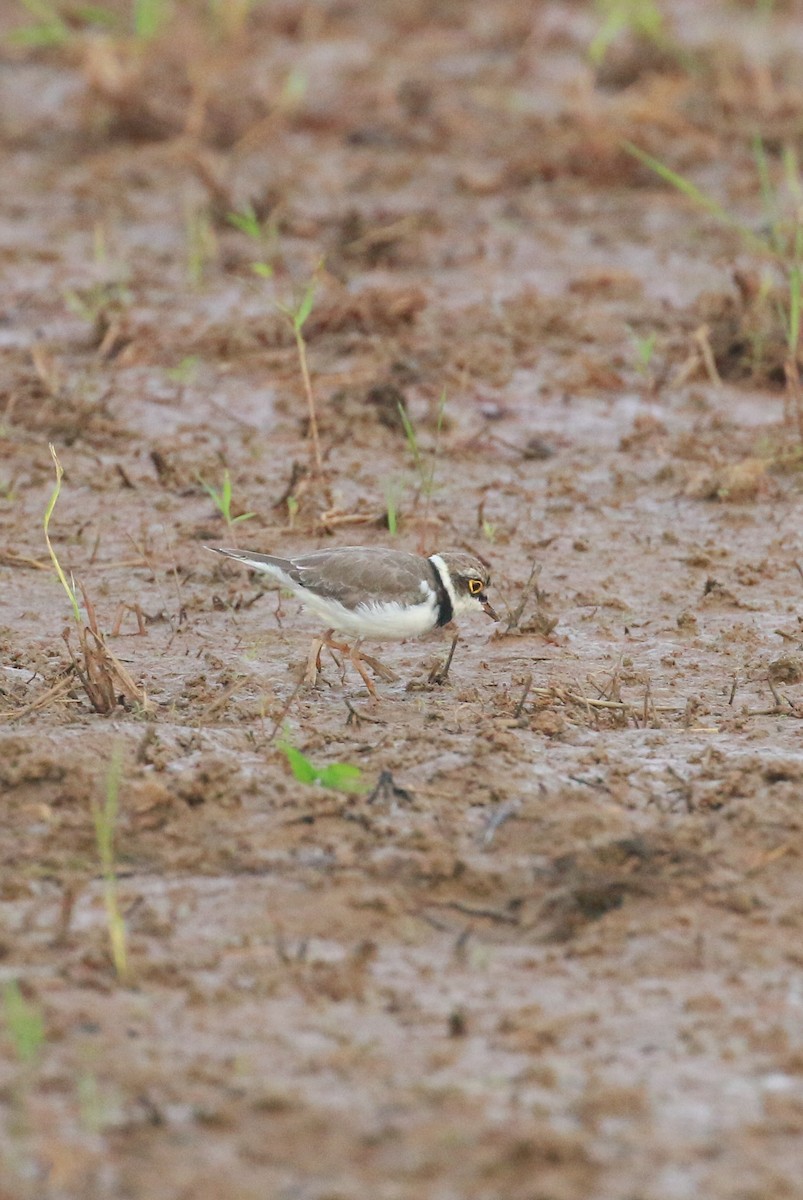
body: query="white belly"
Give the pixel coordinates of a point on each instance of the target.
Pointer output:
(392, 622)
(387, 622)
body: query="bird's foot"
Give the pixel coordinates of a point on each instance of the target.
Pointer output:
(356, 657)
(313, 668)
(440, 672)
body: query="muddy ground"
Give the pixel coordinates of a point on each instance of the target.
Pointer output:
(552, 949)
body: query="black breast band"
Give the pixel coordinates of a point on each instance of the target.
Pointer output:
(445, 609)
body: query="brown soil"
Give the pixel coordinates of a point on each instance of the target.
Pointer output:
(551, 952)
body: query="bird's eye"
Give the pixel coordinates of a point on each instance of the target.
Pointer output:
(475, 586)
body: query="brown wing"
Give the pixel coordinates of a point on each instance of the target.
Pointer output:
(357, 575)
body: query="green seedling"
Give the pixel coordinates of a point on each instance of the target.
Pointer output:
(645, 349)
(781, 243)
(264, 234)
(298, 318)
(47, 28)
(98, 301)
(24, 1024)
(201, 243)
(293, 90)
(69, 587)
(692, 192)
(412, 438)
(642, 18)
(785, 239)
(489, 530)
(393, 491)
(185, 372)
(149, 17)
(102, 675)
(248, 223)
(105, 819)
(221, 498)
(425, 467)
(342, 777)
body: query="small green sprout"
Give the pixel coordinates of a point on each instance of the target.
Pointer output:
(98, 300)
(297, 318)
(781, 242)
(294, 89)
(342, 777)
(247, 222)
(393, 490)
(425, 470)
(412, 437)
(47, 29)
(221, 498)
(185, 372)
(149, 17)
(643, 18)
(68, 587)
(24, 1023)
(201, 243)
(645, 348)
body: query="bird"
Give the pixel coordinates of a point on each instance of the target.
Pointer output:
(375, 592)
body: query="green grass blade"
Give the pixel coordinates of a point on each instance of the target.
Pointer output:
(54, 557)
(698, 197)
(410, 434)
(343, 777)
(246, 221)
(300, 765)
(24, 1023)
(305, 307)
(791, 168)
(794, 310)
(149, 17)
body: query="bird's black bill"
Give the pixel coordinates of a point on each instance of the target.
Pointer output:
(488, 608)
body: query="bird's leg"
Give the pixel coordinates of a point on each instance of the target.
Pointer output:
(329, 641)
(314, 657)
(356, 659)
(342, 647)
(313, 662)
(440, 672)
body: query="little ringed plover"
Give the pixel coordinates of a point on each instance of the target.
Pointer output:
(374, 592)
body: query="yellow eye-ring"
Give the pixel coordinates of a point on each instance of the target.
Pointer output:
(475, 586)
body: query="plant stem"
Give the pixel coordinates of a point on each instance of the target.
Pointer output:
(48, 514)
(313, 420)
(105, 817)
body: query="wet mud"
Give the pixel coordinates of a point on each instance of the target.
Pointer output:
(549, 949)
